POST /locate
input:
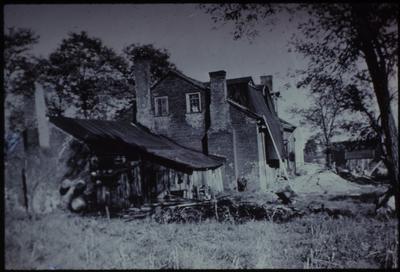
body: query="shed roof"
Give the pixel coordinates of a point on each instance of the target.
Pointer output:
(128, 139)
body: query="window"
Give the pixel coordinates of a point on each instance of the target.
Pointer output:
(193, 102)
(161, 106)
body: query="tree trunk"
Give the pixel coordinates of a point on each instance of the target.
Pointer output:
(328, 156)
(380, 85)
(328, 159)
(379, 77)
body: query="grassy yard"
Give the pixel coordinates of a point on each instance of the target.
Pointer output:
(66, 241)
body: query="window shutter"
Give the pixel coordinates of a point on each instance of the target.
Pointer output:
(199, 96)
(166, 106)
(156, 107)
(187, 103)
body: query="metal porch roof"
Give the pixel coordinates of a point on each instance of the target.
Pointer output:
(125, 138)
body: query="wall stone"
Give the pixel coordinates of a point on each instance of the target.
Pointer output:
(195, 120)
(220, 143)
(185, 128)
(246, 147)
(162, 124)
(219, 108)
(142, 80)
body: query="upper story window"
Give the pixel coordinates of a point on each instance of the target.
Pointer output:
(193, 102)
(161, 106)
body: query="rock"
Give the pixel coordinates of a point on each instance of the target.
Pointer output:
(391, 204)
(78, 204)
(71, 190)
(66, 198)
(65, 185)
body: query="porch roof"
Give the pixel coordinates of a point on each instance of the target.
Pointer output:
(132, 139)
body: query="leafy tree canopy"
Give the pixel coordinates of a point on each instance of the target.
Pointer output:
(19, 76)
(159, 59)
(82, 71)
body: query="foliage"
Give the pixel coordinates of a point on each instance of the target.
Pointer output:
(159, 59)
(19, 75)
(311, 146)
(18, 63)
(323, 115)
(83, 72)
(357, 41)
(86, 74)
(356, 45)
(62, 241)
(245, 16)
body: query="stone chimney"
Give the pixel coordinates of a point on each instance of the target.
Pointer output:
(220, 134)
(144, 114)
(267, 81)
(219, 108)
(42, 122)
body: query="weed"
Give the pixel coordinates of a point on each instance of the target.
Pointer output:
(69, 241)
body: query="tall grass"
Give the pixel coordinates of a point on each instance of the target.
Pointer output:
(67, 241)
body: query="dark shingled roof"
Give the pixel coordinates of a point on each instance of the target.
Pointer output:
(129, 139)
(181, 75)
(263, 106)
(237, 89)
(244, 92)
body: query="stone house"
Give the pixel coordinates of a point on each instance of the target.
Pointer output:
(231, 118)
(183, 137)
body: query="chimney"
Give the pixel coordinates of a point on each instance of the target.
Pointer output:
(219, 109)
(267, 81)
(42, 122)
(144, 114)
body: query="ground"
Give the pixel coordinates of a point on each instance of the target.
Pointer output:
(62, 240)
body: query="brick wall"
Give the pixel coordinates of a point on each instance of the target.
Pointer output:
(143, 93)
(245, 129)
(185, 128)
(220, 143)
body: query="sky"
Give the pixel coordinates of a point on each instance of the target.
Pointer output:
(189, 34)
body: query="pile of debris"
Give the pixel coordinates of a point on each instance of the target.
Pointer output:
(225, 208)
(75, 194)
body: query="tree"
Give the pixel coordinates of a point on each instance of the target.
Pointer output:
(311, 146)
(323, 115)
(365, 49)
(361, 39)
(160, 62)
(83, 73)
(354, 98)
(19, 76)
(244, 16)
